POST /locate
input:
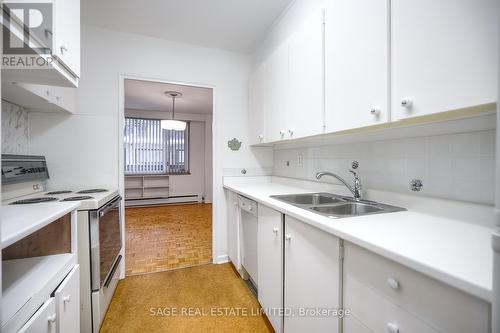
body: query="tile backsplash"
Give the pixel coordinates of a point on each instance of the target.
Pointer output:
(14, 129)
(454, 166)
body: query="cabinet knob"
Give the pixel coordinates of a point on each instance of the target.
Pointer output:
(393, 283)
(375, 111)
(275, 230)
(392, 328)
(52, 318)
(282, 133)
(288, 237)
(406, 103)
(67, 299)
(291, 131)
(64, 48)
(47, 92)
(261, 137)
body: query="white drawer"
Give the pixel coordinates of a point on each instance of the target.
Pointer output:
(43, 321)
(445, 308)
(376, 312)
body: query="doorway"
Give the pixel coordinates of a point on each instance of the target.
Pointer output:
(167, 175)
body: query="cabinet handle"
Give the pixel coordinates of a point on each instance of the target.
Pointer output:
(393, 283)
(288, 237)
(52, 318)
(261, 137)
(64, 48)
(47, 92)
(275, 230)
(67, 299)
(375, 111)
(291, 131)
(282, 133)
(392, 328)
(406, 103)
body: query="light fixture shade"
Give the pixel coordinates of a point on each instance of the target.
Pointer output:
(173, 125)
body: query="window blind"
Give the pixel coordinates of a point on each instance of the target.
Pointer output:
(149, 149)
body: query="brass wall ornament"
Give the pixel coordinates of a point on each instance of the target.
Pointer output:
(234, 144)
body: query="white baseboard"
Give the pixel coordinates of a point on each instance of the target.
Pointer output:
(221, 259)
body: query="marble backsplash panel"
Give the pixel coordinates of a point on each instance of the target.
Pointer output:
(15, 134)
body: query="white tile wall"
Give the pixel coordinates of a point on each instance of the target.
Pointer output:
(14, 129)
(457, 166)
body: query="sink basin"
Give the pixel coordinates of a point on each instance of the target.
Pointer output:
(353, 209)
(310, 199)
(336, 206)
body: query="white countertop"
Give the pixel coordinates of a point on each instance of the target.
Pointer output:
(19, 221)
(445, 248)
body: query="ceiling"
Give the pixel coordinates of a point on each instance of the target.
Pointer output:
(150, 96)
(234, 25)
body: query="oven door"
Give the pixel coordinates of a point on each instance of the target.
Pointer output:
(105, 242)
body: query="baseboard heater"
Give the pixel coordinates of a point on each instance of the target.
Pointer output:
(163, 200)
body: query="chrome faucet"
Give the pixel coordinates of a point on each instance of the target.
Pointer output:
(355, 189)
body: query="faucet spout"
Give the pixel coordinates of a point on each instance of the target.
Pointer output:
(355, 190)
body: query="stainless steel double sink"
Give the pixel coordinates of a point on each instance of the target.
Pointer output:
(336, 206)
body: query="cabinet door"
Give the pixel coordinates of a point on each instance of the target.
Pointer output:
(233, 228)
(67, 298)
(256, 105)
(305, 115)
(445, 55)
(270, 256)
(356, 64)
(67, 34)
(276, 79)
(311, 277)
(43, 321)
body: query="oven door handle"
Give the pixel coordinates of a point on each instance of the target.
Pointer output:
(113, 270)
(113, 204)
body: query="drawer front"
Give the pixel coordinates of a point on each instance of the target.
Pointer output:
(44, 320)
(376, 312)
(247, 204)
(447, 309)
(67, 297)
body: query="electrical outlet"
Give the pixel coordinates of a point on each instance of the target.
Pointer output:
(300, 159)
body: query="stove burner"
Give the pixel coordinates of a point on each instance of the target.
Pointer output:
(78, 198)
(58, 192)
(33, 200)
(94, 190)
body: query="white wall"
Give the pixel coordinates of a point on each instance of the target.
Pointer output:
(199, 180)
(83, 149)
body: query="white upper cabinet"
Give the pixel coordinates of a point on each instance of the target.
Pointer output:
(444, 55)
(356, 63)
(67, 34)
(256, 105)
(276, 78)
(305, 115)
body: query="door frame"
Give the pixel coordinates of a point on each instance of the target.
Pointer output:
(121, 172)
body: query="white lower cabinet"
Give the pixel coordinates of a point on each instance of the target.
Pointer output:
(270, 258)
(311, 278)
(67, 297)
(233, 230)
(44, 320)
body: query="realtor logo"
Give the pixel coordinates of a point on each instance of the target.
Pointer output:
(27, 35)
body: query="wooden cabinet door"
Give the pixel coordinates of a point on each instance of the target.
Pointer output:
(67, 34)
(256, 105)
(44, 320)
(311, 277)
(67, 297)
(276, 104)
(444, 55)
(270, 258)
(305, 115)
(356, 63)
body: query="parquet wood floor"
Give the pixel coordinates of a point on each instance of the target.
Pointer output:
(161, 238)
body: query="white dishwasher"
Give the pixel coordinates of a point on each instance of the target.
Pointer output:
(248, 240)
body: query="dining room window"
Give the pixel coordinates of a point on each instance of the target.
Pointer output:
(149, 149)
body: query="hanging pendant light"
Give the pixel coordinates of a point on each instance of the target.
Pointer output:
(172, 124)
